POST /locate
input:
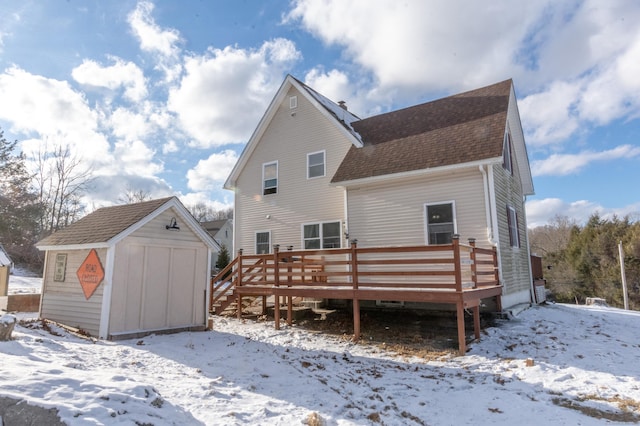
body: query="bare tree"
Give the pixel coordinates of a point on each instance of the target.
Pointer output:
(61, 179)
(204, 213)
(134, 196)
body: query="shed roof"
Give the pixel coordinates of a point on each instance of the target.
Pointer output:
(103, 224)
(457, 129)
(5, 260)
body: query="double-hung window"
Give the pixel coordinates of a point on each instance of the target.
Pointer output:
(512, 220)
(315, 164)
(270, 178)
(263, 242)
(440, 222)
(323, 235)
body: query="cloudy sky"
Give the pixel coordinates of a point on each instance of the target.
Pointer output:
(161, 96)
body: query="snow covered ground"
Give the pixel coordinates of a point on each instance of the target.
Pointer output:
(551, 365)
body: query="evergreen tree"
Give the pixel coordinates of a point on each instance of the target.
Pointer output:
(223, 258)
(19, 206)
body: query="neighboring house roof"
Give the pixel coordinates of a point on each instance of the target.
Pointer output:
(5, 260)
(108, 225)
(463, 128)
(213, 226)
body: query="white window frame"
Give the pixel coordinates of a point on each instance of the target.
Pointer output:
(512, 223)
(293, 102)
(264, 181)
(255, 241)
(324, 164)
(426, 218)
(321, 234)
(507, 159)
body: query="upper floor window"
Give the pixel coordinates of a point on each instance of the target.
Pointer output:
(315, 164)
(293, 102)
(440, 222)
(512, 220)
(506, 153)
(321, 235)
(270, 178)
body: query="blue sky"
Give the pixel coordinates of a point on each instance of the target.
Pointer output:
(162, 96)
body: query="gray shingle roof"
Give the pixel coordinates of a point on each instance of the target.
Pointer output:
(457, 129)
(103, 224)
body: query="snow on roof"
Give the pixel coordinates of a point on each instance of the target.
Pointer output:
(5, 260)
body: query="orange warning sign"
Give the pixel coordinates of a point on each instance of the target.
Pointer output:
(90, 274)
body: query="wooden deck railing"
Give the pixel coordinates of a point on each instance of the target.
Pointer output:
(453, 273)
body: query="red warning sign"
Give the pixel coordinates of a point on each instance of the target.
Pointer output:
(90, 274)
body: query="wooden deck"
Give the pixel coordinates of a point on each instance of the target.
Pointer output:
(455, 274)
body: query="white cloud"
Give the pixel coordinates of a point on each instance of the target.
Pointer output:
(52, 110)
(121, 74)
(151, 36)
(224, 93)
(210, 172)
(163, 43)
(577, 61)
(549, 116)
(565, 164)
(429, 45)
(135, 158)
(169, 147)
(196, 198)
(542, 212)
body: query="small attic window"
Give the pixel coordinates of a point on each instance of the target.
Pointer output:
(293, 102)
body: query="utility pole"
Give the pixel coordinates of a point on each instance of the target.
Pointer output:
(624, 277)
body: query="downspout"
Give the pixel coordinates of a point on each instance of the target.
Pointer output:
(487, 204)
(526, 227)
(495, 233)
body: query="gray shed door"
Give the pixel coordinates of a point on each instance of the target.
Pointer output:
(161, 294)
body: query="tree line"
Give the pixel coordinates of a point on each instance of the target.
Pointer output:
(39, 201)
(583, 261)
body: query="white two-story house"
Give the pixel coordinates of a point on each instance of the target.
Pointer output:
(314, 175)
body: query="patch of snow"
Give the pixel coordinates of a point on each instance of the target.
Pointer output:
(555, 365)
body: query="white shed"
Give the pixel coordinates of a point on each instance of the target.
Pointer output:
(130, 270)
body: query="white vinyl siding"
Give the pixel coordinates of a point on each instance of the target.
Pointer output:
(299, 200)
(315, 164)
(394, 213)
(64, 301)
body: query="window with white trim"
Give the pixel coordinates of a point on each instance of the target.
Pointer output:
(321, 235)
(270, 178)
(293, 102)
(315, 164)
(440, 222)
(507, 163)
(512, 220)
(263, 242)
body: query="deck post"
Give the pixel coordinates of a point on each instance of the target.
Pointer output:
(238, 296)
(472, 255)
(462, 344)
(276, 278)
(455, 241)
(476, 321)
(354, 277)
